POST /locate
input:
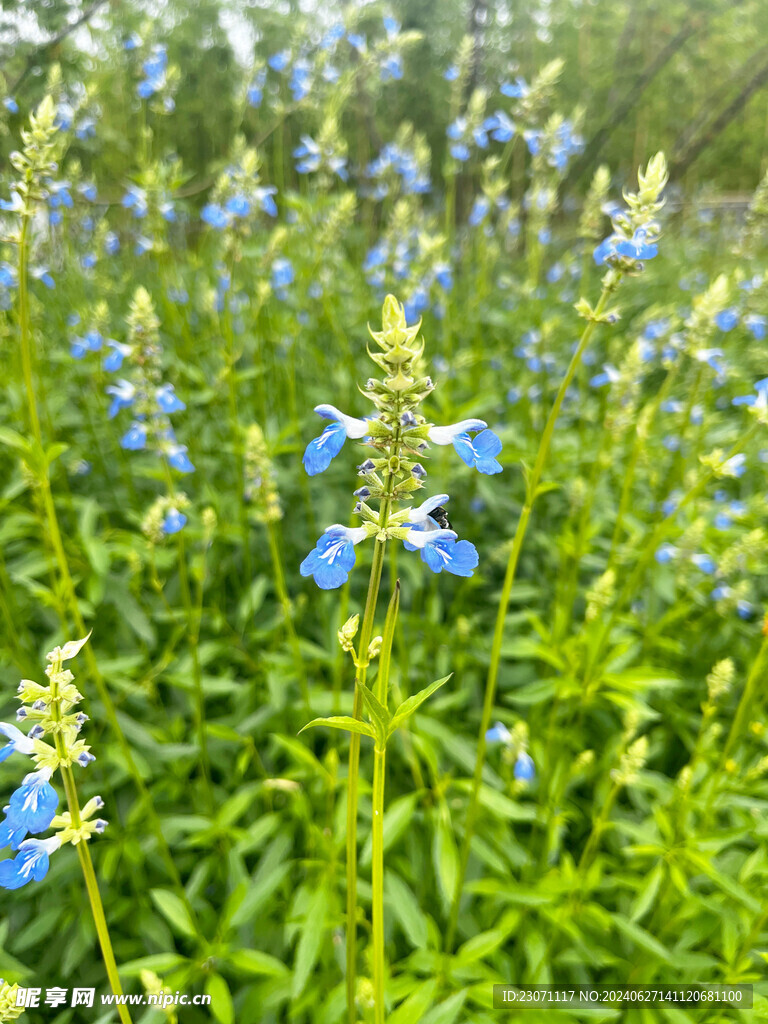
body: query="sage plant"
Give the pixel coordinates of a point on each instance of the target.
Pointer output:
(632, 241)
(54, 744)
(398, 436)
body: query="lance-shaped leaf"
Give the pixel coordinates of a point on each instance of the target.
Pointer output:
(380, 717)
(344, 722)
(408, 707)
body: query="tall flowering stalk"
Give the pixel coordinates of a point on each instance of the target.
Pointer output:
(35, 164)
(398, 436)
(623, 252)
(32, 808)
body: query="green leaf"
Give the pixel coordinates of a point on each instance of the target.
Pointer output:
(272, 869)
(310, 941)
(642, 938)
(417, 1004)
(409, 706)
(406, 910)
(480, 946)
(253, 961)
(12, 439)
(158, 962)
(397, 818)
(174, 911)
(380, 717)
(447, 1011)
(344, 722)
(221, 1001)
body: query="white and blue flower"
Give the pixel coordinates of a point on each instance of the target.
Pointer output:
(333, 557)
(30, 809)
(17, 742)
(479, 452)
(30, 864)
(440, 549)
(321, 451)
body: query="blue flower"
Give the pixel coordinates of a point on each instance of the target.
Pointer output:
(460, 152)
(11, 105)
(214, 215)
(264, 196)
(757, 324)
(727, 319)
(34, 803)
(705, 563)
(391, 25)
(332, 559)
(238, 206)
(299, 82)
(179, 460)
(392, 68)
(30, 864)
(135, 439)
(503, 127)
(499, 733)
(282, 273)
(114, 359)
(12, 834)
(135, 199)
(479, 211)
(173, 522)
(111, 243)
(524, 767)
(323, 449)
(357, 41)
(444, 276)
(480, 452)
(167, 399)
(515, 90)
(666, 553)
(440, 550)
(451, 73)
(17, 742)
(123, 394)
(279, 61)
(637, 247)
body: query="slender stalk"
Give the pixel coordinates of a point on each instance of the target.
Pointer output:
(84, 854)
(66, 582)
(377, 884)
(532, 485)
(366, 631)
(377, 827)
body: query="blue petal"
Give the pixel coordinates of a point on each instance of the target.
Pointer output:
(323, 450)
(464, 448)
(464, 559)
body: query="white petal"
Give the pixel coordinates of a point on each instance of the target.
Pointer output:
(420, 514)
(420, 538)
(353, 533)
(445, 435)
(353, 427)
(17, 737)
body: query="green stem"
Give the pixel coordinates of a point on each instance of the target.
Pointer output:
(501, 617)
(66, 581)
(377, 885)
(84, 854)
(366, 631)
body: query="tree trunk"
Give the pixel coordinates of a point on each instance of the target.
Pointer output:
(685, 156)
(588, 158)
